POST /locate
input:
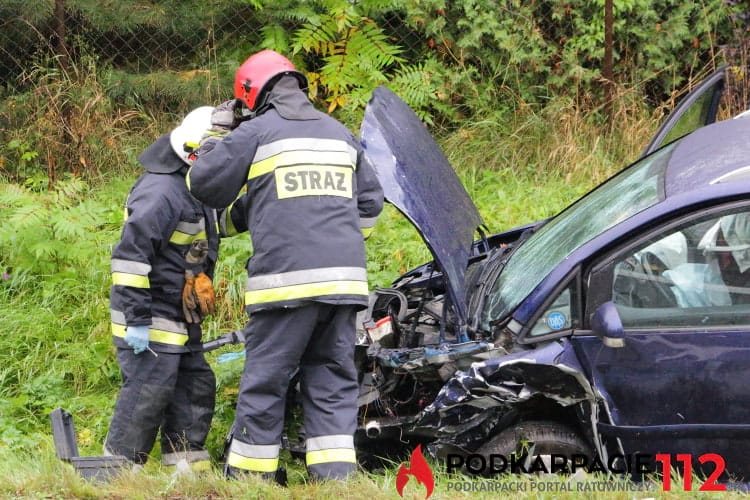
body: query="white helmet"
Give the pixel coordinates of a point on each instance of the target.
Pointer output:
(187, 136)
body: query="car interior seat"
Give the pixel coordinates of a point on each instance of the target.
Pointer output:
(727, 249)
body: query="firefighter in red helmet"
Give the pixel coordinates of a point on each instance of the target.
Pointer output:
(311, 202)
(259, 73)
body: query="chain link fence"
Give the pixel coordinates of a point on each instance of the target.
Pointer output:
(149, 38)
(169, 39)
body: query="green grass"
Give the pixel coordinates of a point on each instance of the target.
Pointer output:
(59, 354)
(39, 474)
(56, 345)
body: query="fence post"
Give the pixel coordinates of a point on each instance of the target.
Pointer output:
(607, 72)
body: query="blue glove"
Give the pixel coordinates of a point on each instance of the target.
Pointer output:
(137, 338)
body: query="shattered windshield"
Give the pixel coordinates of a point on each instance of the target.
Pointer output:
(627, 193)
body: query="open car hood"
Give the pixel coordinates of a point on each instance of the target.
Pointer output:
(418, 180)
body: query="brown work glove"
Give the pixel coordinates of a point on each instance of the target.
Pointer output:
(198, 298)
(204, 292)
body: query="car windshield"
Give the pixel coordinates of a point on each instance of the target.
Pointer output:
(627, 193)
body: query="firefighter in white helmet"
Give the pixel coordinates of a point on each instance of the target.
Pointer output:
(161, 290)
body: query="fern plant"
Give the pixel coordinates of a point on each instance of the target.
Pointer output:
(354, 51)
(57, 233)
(346, 51)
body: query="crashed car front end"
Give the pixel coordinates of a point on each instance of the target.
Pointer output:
(493, 394)
(430, 371)
(453, 396)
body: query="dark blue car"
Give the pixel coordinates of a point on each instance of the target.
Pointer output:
(617, 330)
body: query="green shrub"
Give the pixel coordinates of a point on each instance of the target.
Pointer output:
(66, 123)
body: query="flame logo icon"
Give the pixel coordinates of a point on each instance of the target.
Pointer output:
(419, 469)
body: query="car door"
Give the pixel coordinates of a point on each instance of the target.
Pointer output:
(700, 107)
(681, 382)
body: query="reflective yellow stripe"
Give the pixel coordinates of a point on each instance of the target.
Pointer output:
(187, 178)
(224, 225)
(179, 238)
(262, 167)
(167, 337)
(367, 224)
(229, 230)
(331, 455)
(162, 336)
(305, 291)
(300, 157)
(134, 280)
(253, 464)
(201, 466)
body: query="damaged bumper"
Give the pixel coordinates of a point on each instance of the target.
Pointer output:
(484, 390)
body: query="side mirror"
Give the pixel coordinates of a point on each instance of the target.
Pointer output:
(606, 323)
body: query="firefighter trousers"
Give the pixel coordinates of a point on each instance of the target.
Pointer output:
(174, 393)
(319, 339)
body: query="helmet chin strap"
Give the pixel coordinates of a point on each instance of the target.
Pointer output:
(248, 114)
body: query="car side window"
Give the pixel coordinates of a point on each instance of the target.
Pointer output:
(558, 316)
(694, 275)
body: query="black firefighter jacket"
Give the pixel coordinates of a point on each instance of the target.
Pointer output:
(148, 264)
(310, 198)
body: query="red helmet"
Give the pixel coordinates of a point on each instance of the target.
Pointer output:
(259, 73)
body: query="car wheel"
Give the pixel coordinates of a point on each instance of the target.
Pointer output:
(542, 438)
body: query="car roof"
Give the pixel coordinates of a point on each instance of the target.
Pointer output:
(716, 153)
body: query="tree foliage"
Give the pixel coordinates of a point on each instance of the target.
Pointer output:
(453, 59)
(544, 48)
(450, 61)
